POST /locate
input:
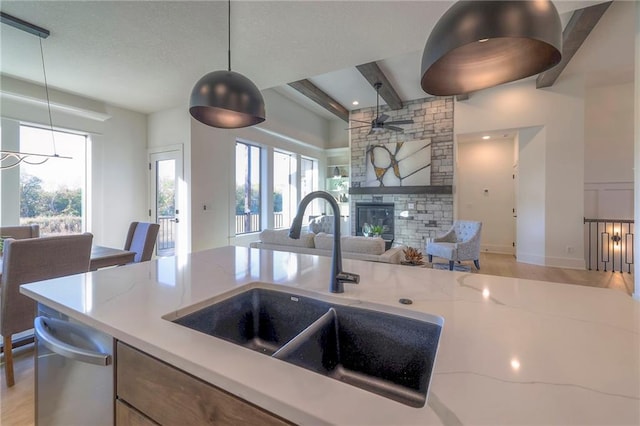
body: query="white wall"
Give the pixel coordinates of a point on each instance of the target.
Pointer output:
(118, 163)
(119, 176)
(609, 123)
(288, 127)
(338, 134)
(531, 196)
(560, 110)
(566, 112)
(166, 130)
(10, 178)
(169, 127)
(485, 188)
(636, 259)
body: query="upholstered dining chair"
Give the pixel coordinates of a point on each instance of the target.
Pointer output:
(20, 232)
(28, 260)
(141, 239)
(461, 242)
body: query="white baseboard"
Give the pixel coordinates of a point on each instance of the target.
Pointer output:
(557, 262)
(565, 262)
(498, 249)
(532, 259)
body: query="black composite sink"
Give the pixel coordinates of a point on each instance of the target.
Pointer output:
(258, 319)
(386, 353)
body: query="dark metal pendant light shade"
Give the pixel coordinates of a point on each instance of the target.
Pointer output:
(227, 99)
(480, 44)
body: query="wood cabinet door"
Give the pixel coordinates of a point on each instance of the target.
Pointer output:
(172, 397)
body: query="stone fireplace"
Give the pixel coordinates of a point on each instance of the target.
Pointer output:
(419, 212)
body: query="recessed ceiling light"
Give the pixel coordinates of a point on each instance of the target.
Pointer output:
(486, 137)
(482, 40)
(355, 103)
(515, 364)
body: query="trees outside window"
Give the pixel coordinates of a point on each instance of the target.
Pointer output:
(284, 189)
(52, 194)
(309, 183)
(247, 188)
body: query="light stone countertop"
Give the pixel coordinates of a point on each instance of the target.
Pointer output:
(512, 351)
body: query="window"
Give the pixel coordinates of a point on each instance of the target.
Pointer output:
(309, 183)
(53, 194)
(247, 188)
(284, 189)
(289, 176)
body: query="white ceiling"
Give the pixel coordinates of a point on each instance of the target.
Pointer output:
(146, 55)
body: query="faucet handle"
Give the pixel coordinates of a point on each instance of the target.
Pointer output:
(348, 277)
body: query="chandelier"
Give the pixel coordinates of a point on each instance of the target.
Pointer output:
(8, 158)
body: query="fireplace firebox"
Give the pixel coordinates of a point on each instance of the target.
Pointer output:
(376, 214)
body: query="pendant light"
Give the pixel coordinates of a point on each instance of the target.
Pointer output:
(227, 99)
(481, 44)
(10, 159)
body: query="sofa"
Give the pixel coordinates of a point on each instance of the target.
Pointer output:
(321, 243)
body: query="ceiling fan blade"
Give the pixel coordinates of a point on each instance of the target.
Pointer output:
(394, 128)
(359, 121)
(400, 122)
(370, 132)
(382, 118)
(359, 127)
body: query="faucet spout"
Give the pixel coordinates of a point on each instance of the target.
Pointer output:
(338, 277)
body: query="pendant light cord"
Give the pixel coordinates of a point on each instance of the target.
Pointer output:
(46, 89)
(229, 32)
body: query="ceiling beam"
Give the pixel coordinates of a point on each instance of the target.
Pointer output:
(575, 33)
(314, 93)
(374, 74)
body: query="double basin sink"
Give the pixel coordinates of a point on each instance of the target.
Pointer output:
(384, 350)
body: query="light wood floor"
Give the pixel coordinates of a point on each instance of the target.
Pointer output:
(17, 403)
(506, 266)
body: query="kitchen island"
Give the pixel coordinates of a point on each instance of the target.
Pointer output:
(512, 351)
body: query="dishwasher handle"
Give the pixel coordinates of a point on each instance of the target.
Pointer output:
(42, 327)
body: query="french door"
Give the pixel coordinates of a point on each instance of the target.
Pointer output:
(165, 178)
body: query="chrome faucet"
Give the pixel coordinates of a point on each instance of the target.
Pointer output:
(338, 277)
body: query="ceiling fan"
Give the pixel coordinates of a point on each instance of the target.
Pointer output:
(380, 123)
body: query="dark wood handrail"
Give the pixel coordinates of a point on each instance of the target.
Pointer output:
(609, 220)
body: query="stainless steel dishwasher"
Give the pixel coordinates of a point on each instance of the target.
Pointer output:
(74, 372)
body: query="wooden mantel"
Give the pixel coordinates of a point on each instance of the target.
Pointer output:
(382, 190)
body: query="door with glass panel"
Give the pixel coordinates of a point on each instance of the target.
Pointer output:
(165, 178)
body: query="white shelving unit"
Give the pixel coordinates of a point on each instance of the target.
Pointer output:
(337, 184)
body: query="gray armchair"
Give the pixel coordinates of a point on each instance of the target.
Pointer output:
(461, 242)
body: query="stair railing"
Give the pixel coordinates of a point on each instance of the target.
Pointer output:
(610, 244)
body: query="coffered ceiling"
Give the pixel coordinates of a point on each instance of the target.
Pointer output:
(146, 55)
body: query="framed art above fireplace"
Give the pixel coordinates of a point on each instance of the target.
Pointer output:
(398, 164)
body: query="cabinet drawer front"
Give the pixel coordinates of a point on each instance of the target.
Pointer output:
(129, 416)
(172, 397)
